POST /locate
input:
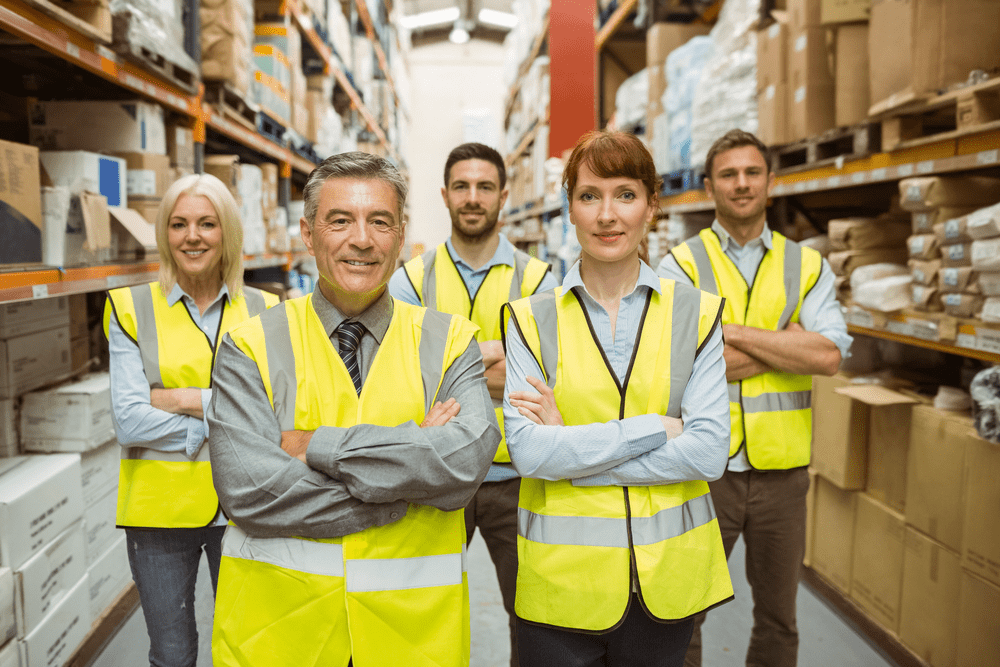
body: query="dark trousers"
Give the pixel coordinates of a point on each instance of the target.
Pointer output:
(494, 511)
(638, 642)
(165, 567)
(769, 509)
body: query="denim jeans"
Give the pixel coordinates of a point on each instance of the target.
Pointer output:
(165, 567)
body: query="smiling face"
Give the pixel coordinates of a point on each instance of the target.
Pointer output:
(611, 216)
(474, 199)
(356, 238)
(740, 184)
(194, 235)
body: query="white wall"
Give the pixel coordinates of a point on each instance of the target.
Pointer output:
(447, 82)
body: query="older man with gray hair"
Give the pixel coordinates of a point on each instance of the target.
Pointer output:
(347, 431)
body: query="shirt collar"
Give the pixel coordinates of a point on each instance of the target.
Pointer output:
(504, 254)
(725, 239)
(375, 317)
(177, 293)
(647, 278)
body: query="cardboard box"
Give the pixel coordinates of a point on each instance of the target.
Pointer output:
(845, 11)
(109, 576)
(805, 13)
(148, 176)
(134, 126)
(21, 221)
(877, 567)
(48, 577)
(79, 324)
(810, 84)
(40, 497)
(929, 193)
(978, 623)
(981, 533)
(920, 46)
(810, 518)
(31, 361)
(840, 434)
(81, 171)
(27, 317)
(772, 114)
(8, 626)
(180, 146)
(99, 472)
(772, 56)
(843, 262)
(661, 39)
(833, 533)
(227, 169)
(929, 609)
(889, 419)
(866, 233)
(935, 473)
(852, 81)
(75, 417)
(79, 352)
(99, 521)
(62, 631)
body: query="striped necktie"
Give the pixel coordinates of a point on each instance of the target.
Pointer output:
(349, 335)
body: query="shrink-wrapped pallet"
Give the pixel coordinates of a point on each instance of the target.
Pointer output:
(227, 42)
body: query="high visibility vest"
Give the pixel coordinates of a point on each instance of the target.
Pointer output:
(162, 489)
(388, 595)
(771, 413)
(437, 282)
(577, 546)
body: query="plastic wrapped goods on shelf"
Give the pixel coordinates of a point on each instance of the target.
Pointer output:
(227, 42)
(151, 32)
(726, 96)
(631, 100)
(684, 68)
(134, 126)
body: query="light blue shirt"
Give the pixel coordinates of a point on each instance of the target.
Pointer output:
(139, 424)
(631, 451)
(820, 311)
(401, 288)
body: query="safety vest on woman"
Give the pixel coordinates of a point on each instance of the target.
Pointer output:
(388, 595)
(438, 284)
(771, 413)
(163, 489)
(577, 545)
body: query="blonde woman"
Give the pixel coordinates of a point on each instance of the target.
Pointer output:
(162, 338)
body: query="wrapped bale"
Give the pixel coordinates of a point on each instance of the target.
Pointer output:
(153, 26)
(227, 42)
(684, 68)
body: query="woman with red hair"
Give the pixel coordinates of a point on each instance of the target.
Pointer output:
(616, 414)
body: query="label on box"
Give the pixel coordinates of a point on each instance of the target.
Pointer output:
(899, 328)
(141, 182)
(800, 94)
(926, 329)
(922, 221)
(956, 252)
(913, 193)
(950, 277)
(951, 230)
(801, 42)
(769, 93)
(919, 274)
(905, 170)
(774, 31)
(917, 245)
(952, 299)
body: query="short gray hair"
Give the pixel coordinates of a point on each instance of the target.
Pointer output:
(352, 165)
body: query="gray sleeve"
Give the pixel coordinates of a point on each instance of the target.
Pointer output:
(262, 489)
(440, 466)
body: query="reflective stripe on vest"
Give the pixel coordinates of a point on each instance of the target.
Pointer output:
(387, 595)
(565, 531)
(770, 411)
(438, 284)
(158, 489)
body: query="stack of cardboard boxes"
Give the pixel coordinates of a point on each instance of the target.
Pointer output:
(903, 520)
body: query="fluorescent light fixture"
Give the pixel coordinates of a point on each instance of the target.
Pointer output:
(425, 19)
(493, 17)
(458, 35)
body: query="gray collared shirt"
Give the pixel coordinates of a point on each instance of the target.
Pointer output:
(356, 477)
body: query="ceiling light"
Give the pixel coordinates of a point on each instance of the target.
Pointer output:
(493, 17)
(425, 19)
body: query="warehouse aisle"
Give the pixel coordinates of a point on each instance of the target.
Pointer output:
(823, 632)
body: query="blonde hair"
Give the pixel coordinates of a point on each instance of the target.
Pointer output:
(226, 209)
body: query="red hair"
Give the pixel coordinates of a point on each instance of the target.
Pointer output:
(613, 155)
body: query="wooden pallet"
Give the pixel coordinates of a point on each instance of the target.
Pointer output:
(846, 143)
(948, 116)
(90, 20)
(226, 101)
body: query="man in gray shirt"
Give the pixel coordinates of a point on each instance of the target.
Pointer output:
(347, 429)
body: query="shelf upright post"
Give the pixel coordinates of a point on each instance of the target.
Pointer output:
(285, 185)
(572, 73)
(199, 129)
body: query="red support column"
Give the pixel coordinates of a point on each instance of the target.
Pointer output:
(572, 66)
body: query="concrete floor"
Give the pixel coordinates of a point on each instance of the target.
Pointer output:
(826, 639)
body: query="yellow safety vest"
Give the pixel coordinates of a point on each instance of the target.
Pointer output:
(438, 284)
(388, 595)
(771, 412)
(577, 545)
(161, 489)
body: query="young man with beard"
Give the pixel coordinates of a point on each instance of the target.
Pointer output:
(473, 274)
(782, 324)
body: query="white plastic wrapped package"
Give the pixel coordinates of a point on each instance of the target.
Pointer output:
(989, 283)
(726, 96)
(991, 310)
(984, 223)
(820, 244)
(683, 71)
(156, 25)
(632, 99)
(331, 130)
(986, 255)
(985, 390)
(866, 274)
(883, 294)
(251, 186)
